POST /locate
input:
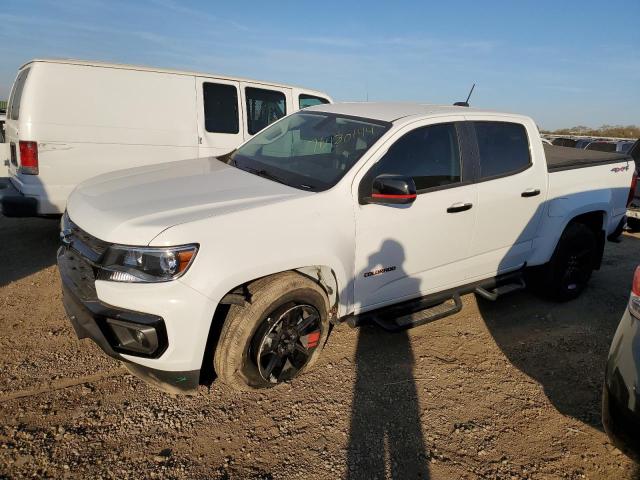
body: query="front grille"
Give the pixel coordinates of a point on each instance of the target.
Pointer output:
(78, 259)
(77, 274)
(84, 243)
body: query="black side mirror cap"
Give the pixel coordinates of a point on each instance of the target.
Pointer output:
(391, 190)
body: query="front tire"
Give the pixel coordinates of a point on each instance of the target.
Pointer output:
(572, 263)
(277, 336)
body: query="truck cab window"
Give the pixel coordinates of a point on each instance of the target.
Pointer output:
(503, 148)
(263, 108)
(430, 155)
(220, 108)
(310, 100)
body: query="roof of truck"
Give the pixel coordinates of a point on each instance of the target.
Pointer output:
(91, 63)
(391, 111)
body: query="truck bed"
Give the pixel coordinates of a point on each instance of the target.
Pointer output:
(567, 158)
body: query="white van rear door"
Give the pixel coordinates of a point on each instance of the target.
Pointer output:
(220, 125)
(263, 105)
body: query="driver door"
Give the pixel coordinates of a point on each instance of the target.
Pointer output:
(407, 251)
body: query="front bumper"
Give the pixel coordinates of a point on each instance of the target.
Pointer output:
(180, 315)
(621, 395)
(14, 203)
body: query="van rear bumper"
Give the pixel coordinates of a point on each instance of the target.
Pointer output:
(15, 204)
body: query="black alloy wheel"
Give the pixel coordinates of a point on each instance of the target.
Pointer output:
(285, 341)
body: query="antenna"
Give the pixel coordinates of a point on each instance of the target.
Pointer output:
(466, 102)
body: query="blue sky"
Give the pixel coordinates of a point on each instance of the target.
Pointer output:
(564, 63)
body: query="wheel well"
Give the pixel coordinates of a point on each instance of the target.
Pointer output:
(595, 222)
(321, 274)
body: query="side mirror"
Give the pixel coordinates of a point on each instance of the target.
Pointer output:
(391, 190)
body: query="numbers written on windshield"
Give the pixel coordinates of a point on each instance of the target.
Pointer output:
(338, 138)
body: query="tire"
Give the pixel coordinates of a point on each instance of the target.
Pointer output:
(567, 274)
(633, 224)
(265, 331)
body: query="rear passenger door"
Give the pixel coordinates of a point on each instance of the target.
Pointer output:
(219, 112)
(511, 190)
(263, 105)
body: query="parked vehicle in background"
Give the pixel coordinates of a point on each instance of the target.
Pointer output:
(633, 211)
(563, 142)
(364, 212)
(583, 142)
(4, 147)
(624, 146)
(621, 396)
(601, 146)
(71, 120)
(546, 141)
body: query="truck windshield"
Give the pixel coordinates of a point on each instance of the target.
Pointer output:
(308, 150)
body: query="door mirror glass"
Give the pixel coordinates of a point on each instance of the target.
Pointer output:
(391, 190)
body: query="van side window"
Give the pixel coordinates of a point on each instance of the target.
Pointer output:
(220, 108)
(305, 101)
(13, 113)
(263, 107)
(503, 148)
(430, 155)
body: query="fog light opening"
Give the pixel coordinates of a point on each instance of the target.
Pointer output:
(133, 337)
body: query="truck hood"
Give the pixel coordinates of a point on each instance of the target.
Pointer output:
(133, 206)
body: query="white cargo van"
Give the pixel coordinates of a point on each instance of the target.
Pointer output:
(70, 120)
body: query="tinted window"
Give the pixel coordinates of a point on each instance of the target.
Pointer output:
(220, 108)
(602, 146)
(430, 155)
(263, 107)
(13, 113)
(503, 148)
(309, 101)
(308, 150)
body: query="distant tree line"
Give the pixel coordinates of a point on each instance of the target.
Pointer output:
(621, 131)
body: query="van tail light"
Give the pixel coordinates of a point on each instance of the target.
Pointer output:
(634, 301)
(634, 184)
(29, 158)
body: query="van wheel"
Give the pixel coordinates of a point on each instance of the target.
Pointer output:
(275, 337)
(633, 224)
(572, 263)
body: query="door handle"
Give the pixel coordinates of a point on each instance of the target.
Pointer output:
(530, 192)
(459, 207)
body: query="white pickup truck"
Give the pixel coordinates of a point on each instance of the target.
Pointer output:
(349, 212)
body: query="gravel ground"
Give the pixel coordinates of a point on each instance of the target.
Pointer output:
(501, 390)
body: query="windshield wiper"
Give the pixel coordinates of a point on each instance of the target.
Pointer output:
(261, 172)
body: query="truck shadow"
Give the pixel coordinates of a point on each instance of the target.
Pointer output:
(564, 346)
(386, 439)
(28, 245)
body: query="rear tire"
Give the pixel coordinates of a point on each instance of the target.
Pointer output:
(275, 337)
(633, 224)
(567, 274)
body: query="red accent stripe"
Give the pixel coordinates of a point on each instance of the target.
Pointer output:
(313, 337)
(386, 195)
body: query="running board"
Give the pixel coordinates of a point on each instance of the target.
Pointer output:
(409, 315)
(493, 294)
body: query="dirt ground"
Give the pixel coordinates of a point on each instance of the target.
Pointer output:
(501, 390)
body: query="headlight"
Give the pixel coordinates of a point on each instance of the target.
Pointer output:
(146, 264)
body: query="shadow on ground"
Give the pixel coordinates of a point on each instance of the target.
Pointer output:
(564, 346)
(27, 245)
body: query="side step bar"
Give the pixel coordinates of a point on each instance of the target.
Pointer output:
(493, 294)
(421, 317)
(413, 313)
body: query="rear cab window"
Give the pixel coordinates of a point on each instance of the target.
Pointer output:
(263, 108)
(220, 108)
(503, 148)
(305, 100)
(13, 111)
